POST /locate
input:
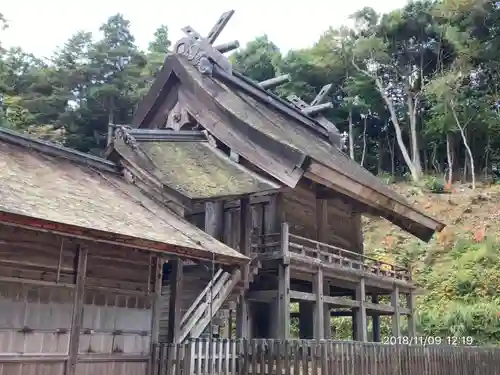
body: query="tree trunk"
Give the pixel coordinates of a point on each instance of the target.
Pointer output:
(449, 157)
(364, 143)
(414, 171)
(380, 153)
(415, 150)
(466, 145)
(391, 152)
(351, 135)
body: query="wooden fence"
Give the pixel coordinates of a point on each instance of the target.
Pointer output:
(301, 357)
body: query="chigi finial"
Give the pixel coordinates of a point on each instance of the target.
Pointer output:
(201, 52)
(314, 110)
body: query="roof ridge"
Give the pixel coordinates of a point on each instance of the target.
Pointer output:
(53, 149)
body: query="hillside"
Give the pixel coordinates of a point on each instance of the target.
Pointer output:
(459, 270)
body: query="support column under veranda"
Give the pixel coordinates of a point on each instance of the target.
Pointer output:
(284, 287)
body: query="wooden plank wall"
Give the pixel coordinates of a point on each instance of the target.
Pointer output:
(37, 286)
(344, 226)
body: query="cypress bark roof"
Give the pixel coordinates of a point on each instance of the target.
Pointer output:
(40, 188)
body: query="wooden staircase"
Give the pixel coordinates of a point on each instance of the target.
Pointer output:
(223, 289)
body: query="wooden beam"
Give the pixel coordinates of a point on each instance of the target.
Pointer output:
(302, 296)
(175, 303)
(77, 314)
(262, 295)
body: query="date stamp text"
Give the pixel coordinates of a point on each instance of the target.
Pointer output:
(428, 340)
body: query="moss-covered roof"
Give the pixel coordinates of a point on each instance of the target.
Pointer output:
(198, 170)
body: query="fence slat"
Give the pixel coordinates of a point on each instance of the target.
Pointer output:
(325, 357)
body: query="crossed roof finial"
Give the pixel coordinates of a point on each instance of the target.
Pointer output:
(314, 110)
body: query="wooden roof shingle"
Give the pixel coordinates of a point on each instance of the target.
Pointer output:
(38, 188)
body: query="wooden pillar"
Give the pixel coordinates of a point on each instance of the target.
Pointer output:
(375, 321)
(242, 311)
(319, 321)
(362, 332)
(327, 321)
(175, 303)
(214, 219)
(322, 236)
(396, 318)
(354, 334)
(283, 315)
(77, 314)
(157, 300)
(412, 330)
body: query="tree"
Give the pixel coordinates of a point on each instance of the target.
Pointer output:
(259, 59)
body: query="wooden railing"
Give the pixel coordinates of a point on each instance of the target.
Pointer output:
(204, 308)
(211, 299)
(301, 357)
(271, 245)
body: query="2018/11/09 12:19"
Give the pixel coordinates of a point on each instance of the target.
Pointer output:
(429, 340)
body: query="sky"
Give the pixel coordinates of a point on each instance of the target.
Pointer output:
(40, 27)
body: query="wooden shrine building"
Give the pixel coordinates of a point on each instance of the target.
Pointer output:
(81, 258)
(266, 176)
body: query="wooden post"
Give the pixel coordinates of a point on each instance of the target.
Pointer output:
(328, 321)
(175, 303)
(375, 321)
(362, 334)
(77, 314)
(412, 330)
(242, 311)
(354, 334)
(396, 324)
(284, 288)
(322, 236)
(156, 312)
(319, 324)
(214, 219)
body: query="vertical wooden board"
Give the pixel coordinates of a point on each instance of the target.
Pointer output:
(262, 357)
(279, 353)
(253, 355)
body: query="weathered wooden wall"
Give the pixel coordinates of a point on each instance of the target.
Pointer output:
(37, 299)
(344, 225)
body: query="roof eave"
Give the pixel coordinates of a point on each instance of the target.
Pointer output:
(94, 235)
(52, 149)
(406, 217)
